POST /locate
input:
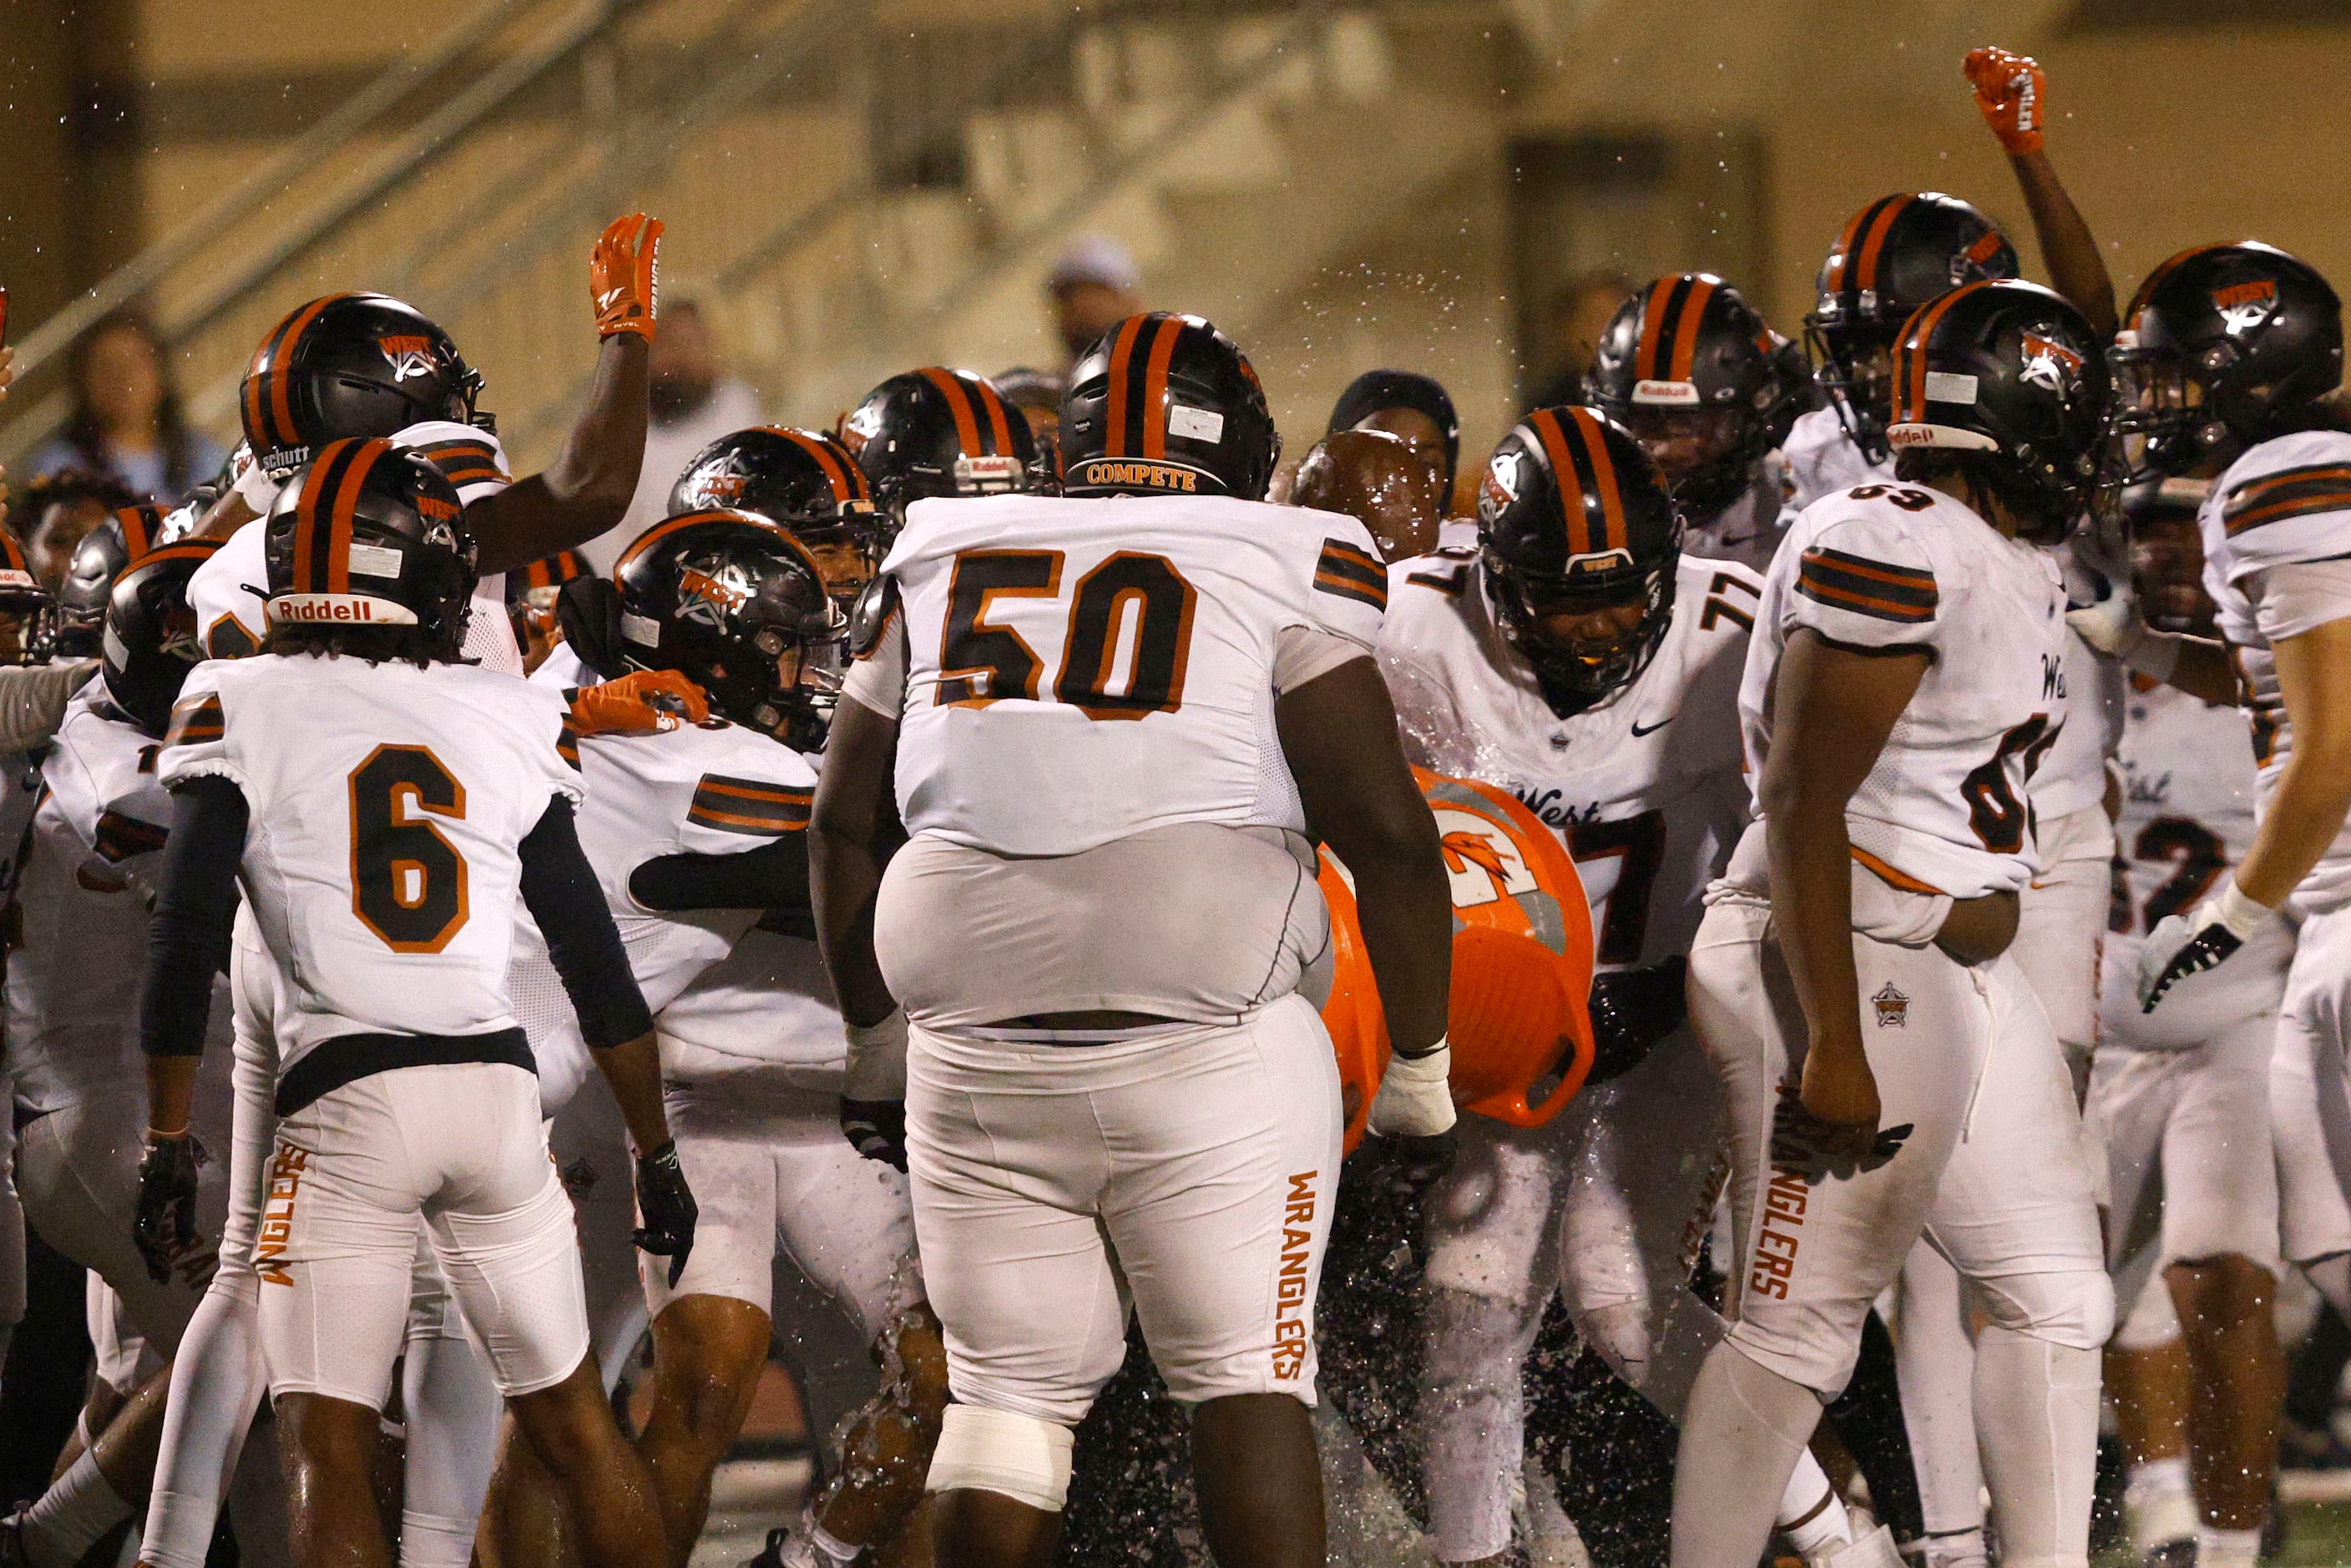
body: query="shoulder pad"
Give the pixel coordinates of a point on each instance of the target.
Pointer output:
(869, 616)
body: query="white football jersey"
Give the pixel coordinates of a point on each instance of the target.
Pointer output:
(1896, 566)
(1084, 671)
(769, 1000)
(388, 806)
(1646, 789)
(1749, 530)
(82, 900)
(2284, 503)
(1824, 459)
(711, 789)
(2186, 818)
(227, 592)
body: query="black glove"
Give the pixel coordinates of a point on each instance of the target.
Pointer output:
(876, 1129)
(667, 1206)
(165, 1224)
(1632, 1011)
(589, 610)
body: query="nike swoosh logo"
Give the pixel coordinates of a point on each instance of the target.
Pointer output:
(1640, 730)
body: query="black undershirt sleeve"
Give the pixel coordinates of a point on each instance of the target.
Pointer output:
(559, 888)
(195, 911)
(773, 877)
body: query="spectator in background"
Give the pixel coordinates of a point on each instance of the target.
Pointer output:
(127, 420)
(58, 511)
(1580, 313)
(1093, 287)
(694, 402)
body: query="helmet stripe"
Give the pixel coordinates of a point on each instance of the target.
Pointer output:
(1873, 243)
(835, 471)
(340, 519)
(668, 525)
(305, 576)
(12, 552)
(1655, 312)
(1114, 415)
(138, 525)
(960, 404)
(265, 370)
(1910, 355)
(1155, 387)
(281, 405)
(2155, 281)
(1685, 326)
(999, 427)
(1595, 443)
(1563, 472)
(1842, 250)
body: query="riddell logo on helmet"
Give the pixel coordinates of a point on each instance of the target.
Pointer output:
(1679, 393)
(341, 609)
(407, 356)
(1126, 475)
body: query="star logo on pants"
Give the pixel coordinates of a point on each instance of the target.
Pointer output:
(1893, 1008)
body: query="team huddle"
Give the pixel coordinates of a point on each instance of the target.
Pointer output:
(1832, 882)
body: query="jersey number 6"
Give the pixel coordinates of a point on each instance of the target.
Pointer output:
(408, 882)
(980, 662)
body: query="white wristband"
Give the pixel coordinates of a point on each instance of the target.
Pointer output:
(1416, 1097)
(2232, 908)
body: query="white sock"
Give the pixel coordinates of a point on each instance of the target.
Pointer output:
(2227, 1548)
(2158, 1504)
(1809, 1493)
(71, 1515)
(1742, 1433)
(1948, 1549)
(429, 1541)
(2036, 1410)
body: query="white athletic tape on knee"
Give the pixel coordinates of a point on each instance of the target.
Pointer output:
(1024, 1458)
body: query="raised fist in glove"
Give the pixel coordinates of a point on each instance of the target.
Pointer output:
(624, 276)
(1632, 1009)
(164, 1224)
(2185, 945)
(874, 1090)
(666, 1205)
(644, 702)
(2010, 91)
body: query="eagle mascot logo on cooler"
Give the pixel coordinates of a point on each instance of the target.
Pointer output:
(1521, 964)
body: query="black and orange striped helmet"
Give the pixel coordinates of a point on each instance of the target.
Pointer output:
(23, 599)
(936, 431)
(348, 365)
(130, 533)
(370, 534)
(2259, 332)
(721, 596)
(803, 480)
(1687, 357)
(1891, 257)
(2010, 370)
(1166, 405)
(1574, 520)
(150, 641)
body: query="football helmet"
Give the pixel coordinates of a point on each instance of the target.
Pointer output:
(1166, 405)
(1578, 539)
(1702, 383)
(1892, 258)
(803, 480)
(23, 602)
(2223, 347)
(738, 606)
(936, 431)
(149, 644)
(369, 535)
(79, 620)
(350, 365)
(530, 593)
(2009, 368)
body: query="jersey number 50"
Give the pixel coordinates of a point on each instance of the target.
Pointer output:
(980, 662)
(408, 882)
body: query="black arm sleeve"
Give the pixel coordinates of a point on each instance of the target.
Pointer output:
(773, 877)
(195, 910)
(559, 889)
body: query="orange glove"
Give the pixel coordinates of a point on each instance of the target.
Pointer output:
(646, 701)
(624, 276)
(2011, 92)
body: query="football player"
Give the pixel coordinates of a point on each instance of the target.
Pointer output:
(387, 807)
(1378, 480)
(936, 431)
(531, 603)
(1906, 670)
(803, 480)
(2183, 1093)
(1581, 660)
(83, 893)
(23, 724)
(360, 365)
(1110, 720)
(1710, 391)
(1414, 408)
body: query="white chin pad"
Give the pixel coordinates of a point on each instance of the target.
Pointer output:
(1020, 1457)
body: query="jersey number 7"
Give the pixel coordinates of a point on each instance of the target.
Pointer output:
(408, 881)
(981, 663)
